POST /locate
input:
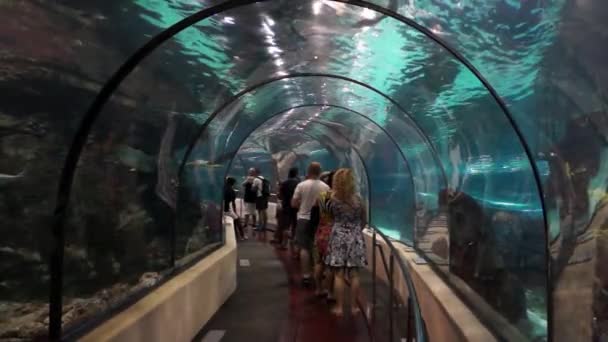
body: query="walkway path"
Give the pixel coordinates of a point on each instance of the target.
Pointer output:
(271, 305)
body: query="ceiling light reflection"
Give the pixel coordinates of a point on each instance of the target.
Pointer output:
(269, 20)
(228, 20)
(267, 29)
(316, 7)
(274, 50)
(368, 14)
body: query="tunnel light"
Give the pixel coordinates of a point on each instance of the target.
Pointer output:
(279, 62)
(228, 20)
(437, 29)
(274, 50)
(316, 7)
(270, 40)
(368, 14)
(269, 21)
(267, 30)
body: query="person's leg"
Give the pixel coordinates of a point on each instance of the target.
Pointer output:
(278, 232)
(305, 263)
(286, 224)
(339, 292)
(295, 248)
(304, 244)
(253, 215)
(264, 218)
(239, 228)
(318, 271)
(355, 285)
(246, 220)
(329, 284)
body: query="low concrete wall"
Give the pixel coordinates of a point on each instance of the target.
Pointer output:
(447, 318)
(178, 309)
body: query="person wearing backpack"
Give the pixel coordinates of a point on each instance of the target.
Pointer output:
(249, 199)
(262, 188)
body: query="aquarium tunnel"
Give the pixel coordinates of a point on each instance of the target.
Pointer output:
(477, 131)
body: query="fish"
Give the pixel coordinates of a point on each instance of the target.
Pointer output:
(6, 179)
(204, 163)
(135, 159)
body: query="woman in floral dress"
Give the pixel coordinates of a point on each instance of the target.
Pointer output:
(346, 252)
(323, 275)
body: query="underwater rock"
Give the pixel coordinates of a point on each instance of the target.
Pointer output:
(148, 279)
(22, 321)
(197, 241)
(22, 253)
(134, 218)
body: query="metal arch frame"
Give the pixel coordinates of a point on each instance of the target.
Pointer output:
(235, 154)
(233, 99)
(73, 155)
(353, 112)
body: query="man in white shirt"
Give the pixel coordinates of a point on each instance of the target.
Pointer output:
(305, 199)
(250, 199)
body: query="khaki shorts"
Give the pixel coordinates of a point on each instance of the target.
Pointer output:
(250, 209)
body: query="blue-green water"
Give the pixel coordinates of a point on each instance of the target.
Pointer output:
(360, 90)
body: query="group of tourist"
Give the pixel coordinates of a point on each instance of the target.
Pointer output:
(323, 217)
(255, 202)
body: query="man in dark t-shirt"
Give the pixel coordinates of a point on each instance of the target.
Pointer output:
(289, 216)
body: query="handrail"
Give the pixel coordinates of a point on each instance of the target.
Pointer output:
(413, 304)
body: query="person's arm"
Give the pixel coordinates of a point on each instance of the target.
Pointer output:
(256, 184)
(234, 203)
(296, 200)
(364, 218)
(280, 194)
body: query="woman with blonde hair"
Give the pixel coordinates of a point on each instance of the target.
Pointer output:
(346, 252)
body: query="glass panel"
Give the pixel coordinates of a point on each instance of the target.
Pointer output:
(546, 59)
(446, 101)
(46, 85)
(121, 212)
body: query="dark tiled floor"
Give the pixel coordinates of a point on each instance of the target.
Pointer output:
(270, 305)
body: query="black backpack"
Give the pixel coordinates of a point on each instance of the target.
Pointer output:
(250, 196)
(265, 187)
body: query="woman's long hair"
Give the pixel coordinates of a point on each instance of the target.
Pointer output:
(344, 187)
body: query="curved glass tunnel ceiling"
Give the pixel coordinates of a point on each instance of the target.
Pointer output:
(449, 128)
(534, 53)
(374, 157)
